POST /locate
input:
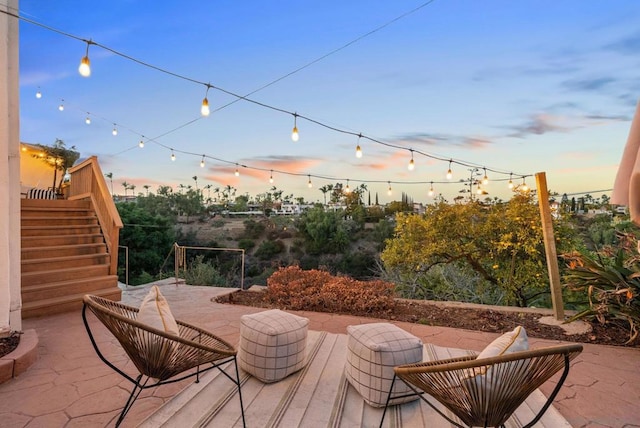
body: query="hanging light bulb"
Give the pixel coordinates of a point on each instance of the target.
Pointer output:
(347, 189)
(204, 108)
(358, 149)
(485, 179)
(524, 186)
(449, 172)
(115, 130)
(411, 165)
(510, 180)
(141, 145)
(309, 185)
(294, 132)
(389, 189)
(202, 162)
(237, 173)
(431, 190)
(38, 94)
(479, 190)
(87, 120)
(85, 69)
(61, 106)
(173, 156)
(271, 177)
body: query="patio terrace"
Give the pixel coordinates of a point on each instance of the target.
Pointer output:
(69, 386)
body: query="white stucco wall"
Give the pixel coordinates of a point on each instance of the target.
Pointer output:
(10, 300)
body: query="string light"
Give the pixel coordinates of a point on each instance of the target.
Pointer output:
(38, 94)
(510, 180)
(237, 173)
(524, 186)
(87, 120)
(202, 162)
(294, 132)
(271, 177)
(411, 165)
(358, 149)
(204, 109)
(347, 189)
(485, 179)
(85, 68)
(431, 190)
(449, 172)
(309, 185)
(61, 106)
(141, 145)
(115, 130)
(173, 156)
(389, 189)
(479, 190)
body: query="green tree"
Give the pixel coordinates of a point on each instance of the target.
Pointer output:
(501, 243)
(60, 158)
(324, 232)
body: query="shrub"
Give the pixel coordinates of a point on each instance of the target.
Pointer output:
(268, 249)
(296, 289)
(246, 244)
(610, 282)
(203, 273)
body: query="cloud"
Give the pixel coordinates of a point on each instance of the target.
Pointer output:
(432, 140)
(629, 45)
(540, 124)
(589, 85)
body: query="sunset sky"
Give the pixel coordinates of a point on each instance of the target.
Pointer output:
(512, 86)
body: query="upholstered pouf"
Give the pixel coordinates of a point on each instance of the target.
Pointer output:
(272, 344)
(373, 351)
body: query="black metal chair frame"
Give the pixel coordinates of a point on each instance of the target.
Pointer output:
(470, 365)
(141, 382)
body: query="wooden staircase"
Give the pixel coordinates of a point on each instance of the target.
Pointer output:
(64, 257)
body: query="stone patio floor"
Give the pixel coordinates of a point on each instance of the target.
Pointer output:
(68, 386)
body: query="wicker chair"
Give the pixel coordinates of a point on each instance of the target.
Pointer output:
(160, 357)
(486, 392)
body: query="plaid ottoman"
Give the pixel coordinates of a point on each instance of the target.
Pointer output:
(272, 344)
(373, 351)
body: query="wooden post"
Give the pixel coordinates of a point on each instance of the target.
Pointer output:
(550, 246)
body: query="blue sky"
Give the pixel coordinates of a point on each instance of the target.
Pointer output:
(513, 86)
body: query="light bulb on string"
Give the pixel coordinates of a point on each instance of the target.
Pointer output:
(485, 179)
(115, 130)
(479, 190)
(173, 156)
(358, 149)
(449, 172)
(141, 145)
(204, 108)
(237, 173)
(411, 165)
(510, 180)
(87, 120)
(347, 189)
(524, 186)
(389, 189)
(431, 190)
(38, 94)
(61, 106)
(202, 162)
(271, 177)
(309, 184)
(85, 65)
(294, 132)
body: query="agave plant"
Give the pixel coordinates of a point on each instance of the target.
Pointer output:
(611, 281)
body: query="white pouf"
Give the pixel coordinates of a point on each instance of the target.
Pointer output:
(373, 351)
(272, 344)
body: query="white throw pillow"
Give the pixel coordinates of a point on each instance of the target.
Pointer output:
(513, 341)
(154, 312)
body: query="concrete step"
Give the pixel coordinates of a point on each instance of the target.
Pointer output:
(57, 240)
(59, 230)
(31, 253)
(33, 293)
(68, 303)
(75, 220)
(64, 274)
(52, 263)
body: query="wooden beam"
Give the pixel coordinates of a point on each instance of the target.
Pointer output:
(550, 246)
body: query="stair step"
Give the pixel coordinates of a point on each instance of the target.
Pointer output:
(59, 230)
(68, 303)
(51, 290)
(39, 241)
(55, 212)
(54, 204)
(64, 262)
(59, 221)
(64, 274)
(45, 252)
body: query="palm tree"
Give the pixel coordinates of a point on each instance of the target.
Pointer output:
(132, 187)
(126, 186)
(109, 175)
(146, 187)
(195, 178)
(326, 189)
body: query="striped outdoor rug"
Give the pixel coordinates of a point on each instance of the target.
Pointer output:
(317, 396)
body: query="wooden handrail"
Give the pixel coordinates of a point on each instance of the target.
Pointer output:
(88, 183)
